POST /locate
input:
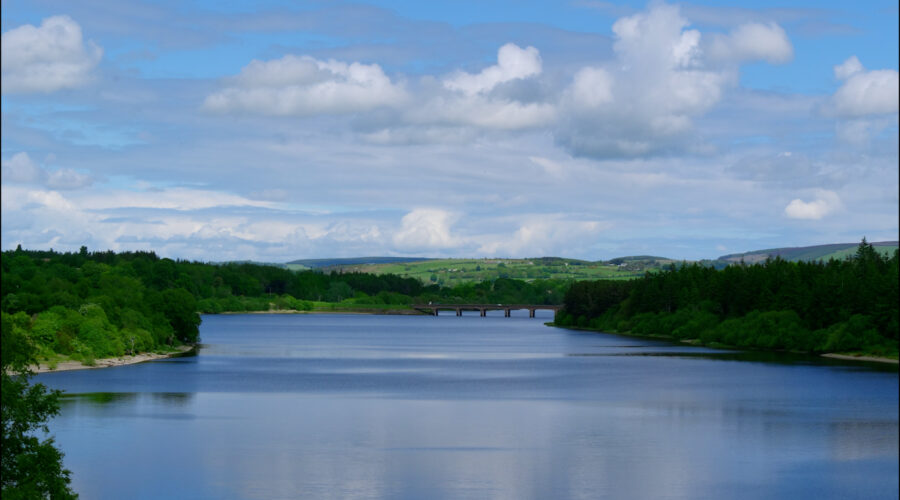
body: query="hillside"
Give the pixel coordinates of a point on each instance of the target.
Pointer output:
(811, 253)
(450, 272)
(337, 263)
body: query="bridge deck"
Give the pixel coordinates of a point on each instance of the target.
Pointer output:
(484, 308)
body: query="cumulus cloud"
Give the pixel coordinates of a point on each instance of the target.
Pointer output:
(479, 100)
(824, 203)
(593, 87)
(21, 169)
(864, 92)
(426, 229)
(644, 101)
(303, 86)
(513, 62)
(752, 42)
(47, 58)
(848, 68)
(503, 96)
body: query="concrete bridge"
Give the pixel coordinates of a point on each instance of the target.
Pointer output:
(483, 308)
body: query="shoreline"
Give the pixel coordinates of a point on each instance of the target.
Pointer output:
(71, 365)
(861, 357)
(842, 357)
(393, 312)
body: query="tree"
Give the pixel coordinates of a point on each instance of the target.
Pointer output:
(31, 468)
(180, 309)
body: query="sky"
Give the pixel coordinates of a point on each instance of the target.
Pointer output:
(283, 130)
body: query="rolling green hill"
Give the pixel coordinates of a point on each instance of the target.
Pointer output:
(455, 271)
(449, 272)
(338, 263)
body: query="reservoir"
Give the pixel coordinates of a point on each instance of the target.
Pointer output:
(422, 407)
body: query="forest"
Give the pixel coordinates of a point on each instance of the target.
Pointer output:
(87, 305)
(847, 305)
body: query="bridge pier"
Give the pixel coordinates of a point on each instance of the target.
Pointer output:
(483, 312)
(458, 311)
(506, 313)
(531, 312)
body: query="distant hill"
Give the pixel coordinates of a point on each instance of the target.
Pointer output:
(456, 271)
(254, 262)
(816, 252)
(353, 261)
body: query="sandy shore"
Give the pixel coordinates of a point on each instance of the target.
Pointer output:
(107, 362)
(873, 359)
(846, 357)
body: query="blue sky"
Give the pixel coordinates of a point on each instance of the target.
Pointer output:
(282, 130)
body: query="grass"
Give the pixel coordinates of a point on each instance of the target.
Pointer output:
(352, 306)
(449, 272)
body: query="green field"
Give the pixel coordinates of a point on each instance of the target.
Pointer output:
(449, 272)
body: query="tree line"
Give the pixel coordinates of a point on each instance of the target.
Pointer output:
(836, 306)
(85, 305)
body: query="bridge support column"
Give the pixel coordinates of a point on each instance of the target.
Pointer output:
(458, 311)
(483, 313)
(531, 313)
(506, 313)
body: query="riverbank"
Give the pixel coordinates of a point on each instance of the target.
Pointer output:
(860, 357)
(358, 310)
(696, 342)
(108, 362)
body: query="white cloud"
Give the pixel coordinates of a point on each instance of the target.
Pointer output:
(752, 42)
(541, 235)
(303, 86)
(513, 62)
(848, 68)
(860, 131)
(592, 87)
(47, 58)
(643, 101)
(551, 168)
(170, 199)
(426, 228)
(865, 92)
(504, 96)
(472, 99)
(21, 169)
(482, 111)
(825, 202)
(67, 178)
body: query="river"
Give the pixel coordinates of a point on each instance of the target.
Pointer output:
(420, 407)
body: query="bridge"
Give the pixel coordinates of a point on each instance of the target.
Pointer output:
(483, 308)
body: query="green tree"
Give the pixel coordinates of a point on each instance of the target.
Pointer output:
(31, 468)
(180, 309)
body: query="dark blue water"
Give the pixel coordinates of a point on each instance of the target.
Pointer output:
(343, 406)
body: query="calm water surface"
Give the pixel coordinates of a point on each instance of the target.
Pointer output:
(343, 406)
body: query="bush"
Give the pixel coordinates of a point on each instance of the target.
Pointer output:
(852, 335)
(763, 330)
(698, 323)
